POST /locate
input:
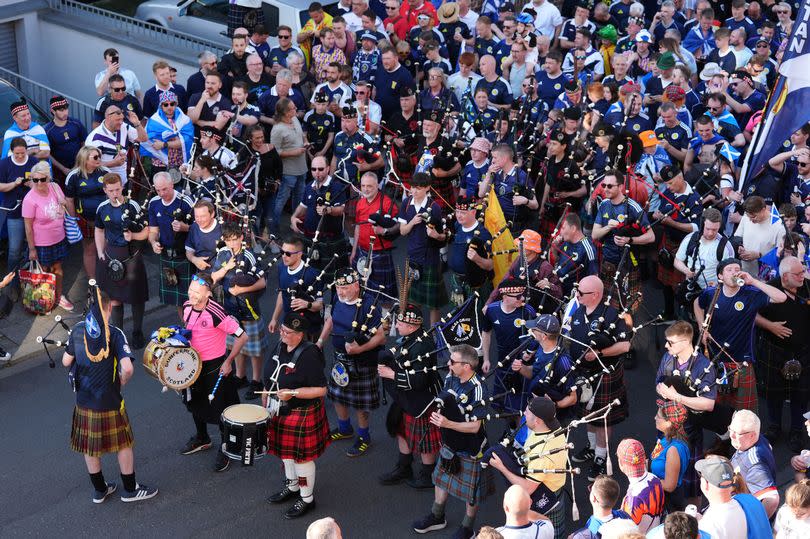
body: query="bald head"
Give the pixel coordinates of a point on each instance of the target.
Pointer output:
(516, 502)
(591, 291)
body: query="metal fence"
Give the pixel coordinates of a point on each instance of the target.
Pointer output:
(135, 29)
(41, 95)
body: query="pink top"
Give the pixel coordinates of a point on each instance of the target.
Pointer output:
(209, 329)
(48, 215)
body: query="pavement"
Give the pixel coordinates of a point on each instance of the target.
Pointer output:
(46, 491)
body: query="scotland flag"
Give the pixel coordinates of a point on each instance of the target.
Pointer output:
(786, 110)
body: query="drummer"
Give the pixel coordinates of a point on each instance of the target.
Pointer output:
(115, 246)
(299, 433)
(210, 327)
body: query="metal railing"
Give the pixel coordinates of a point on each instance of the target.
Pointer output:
(41, 95)
(138, 30)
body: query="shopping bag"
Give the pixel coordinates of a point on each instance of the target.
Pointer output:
(38, 289)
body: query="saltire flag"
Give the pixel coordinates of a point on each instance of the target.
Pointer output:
(495, 221)
(769, 262)
(96, 328)
(788, 103)
(464, 327)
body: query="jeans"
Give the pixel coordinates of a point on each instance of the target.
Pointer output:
(290, 185)
(16, 241)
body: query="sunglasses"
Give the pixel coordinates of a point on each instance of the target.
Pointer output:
(289, 253)
(95, 156)
(284, 37)
(580, 57)
(167, 105)
(38, 180)
(317, 169)
(580, 293)
(120, 89)
(609, 185)
(454, 362)
(199, 280)
(763, 46)
(673, 343)
(390, 8)
(801, 164)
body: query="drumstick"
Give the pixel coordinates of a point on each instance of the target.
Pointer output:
(266, 392)
(216, 386)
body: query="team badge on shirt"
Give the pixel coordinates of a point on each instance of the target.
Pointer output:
(519, 322)
(557, 86)
(674, 136)
(739, 306)
(494, 91)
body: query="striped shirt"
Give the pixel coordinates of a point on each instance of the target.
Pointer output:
(111, 143)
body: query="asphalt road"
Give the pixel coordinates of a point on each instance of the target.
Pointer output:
(46, 491)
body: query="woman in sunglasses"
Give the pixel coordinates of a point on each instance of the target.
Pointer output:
(84, 191)
(43, 210)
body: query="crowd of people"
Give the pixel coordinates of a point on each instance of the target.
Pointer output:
(607, 138)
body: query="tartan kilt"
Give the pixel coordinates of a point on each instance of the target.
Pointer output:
(301, 435)
(383, 272)
(420, 434)
(670, 277)
(612, 387)
(557, 518)
(429, 291)
(94, 433)
(459, 282)
(745, 397)
(258, 340)
(50, 254)
(248, 17)
(472, 484)
(363, 391)
(691, 480)
(87, 227)
(175, 295)
(771, 384)
(606, 272)
(547, 226)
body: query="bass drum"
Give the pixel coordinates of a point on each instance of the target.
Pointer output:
(176, 367)
(244, 432)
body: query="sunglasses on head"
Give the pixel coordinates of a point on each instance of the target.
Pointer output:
(199, 280)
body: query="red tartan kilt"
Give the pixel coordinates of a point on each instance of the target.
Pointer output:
(87, 227)
(303, 435)
(420, 434)
(546, 229)
(444, 194)
(745, 397)
(670, 276)
(612, 387)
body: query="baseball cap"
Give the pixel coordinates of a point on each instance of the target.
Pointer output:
(716, 471)
(545, 409)
(648, 138)
(547, 323)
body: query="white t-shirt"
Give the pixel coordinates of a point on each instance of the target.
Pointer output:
(786, 526)
(726, 520)
(548, 17)
(706, 255)
(130, 79)
(759, 237)
(540, 529)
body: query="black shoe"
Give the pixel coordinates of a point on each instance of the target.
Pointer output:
(423, 479)
(429, 523)
(773, 433)
(599, 467)
(222, 462)
(397, 475)
(283, 495)
(299, 509)
(586, 454)
(796, 440)
(138, 340)
(194, 445)
(241, 382)
(253, 387)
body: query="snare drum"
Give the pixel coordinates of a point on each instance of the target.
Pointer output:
(176, 367)
(244, 428)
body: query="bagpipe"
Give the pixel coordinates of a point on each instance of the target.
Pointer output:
(689, 289)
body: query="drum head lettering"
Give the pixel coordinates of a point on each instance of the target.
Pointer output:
(180, 367)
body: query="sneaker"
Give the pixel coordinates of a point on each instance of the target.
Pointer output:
(299, 509)
(359, 447)
(138, 340)
(599, 467)
(253, 387)
(463, 532)
(336, 435)
(429, 523)
(99, 497)
(141, 492)
(221, 462)
(65, 304)
(194, 445)
(586, 454)
(773, 433)
(4, 356)
(796, 440)
(241, 381)
(283, 495)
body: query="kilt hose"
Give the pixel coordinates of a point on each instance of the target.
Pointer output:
(629, 282)
(301, 435)
(420, 434)
(471, 484)
(745, 396)
(95, 433)
(610, 387)
(429, 291)
(670, 277)
(177, 294)
(771, 384)
(363, 391)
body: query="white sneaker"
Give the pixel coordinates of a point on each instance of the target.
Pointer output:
(4, 356)
(65, 304)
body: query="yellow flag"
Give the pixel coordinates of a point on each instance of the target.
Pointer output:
(495, 221)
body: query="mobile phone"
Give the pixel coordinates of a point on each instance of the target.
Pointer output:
(114, 59)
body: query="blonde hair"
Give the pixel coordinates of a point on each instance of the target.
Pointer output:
(42, 168)
(83, 157)
(798, 495)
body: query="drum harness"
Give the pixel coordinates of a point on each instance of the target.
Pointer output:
(274, 405)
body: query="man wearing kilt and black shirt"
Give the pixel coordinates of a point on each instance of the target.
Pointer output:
(100, 363)
(784, 336)
(412, 388)
(354, 382)
(459, 472)
(424, 243)
(169, 214)
(589, 324)
(299, 433)
(470, 271)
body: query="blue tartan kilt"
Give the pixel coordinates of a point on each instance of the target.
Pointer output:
(50, 254)
(471, 483)
(258, 340)
(363, 391)
(383, 272)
